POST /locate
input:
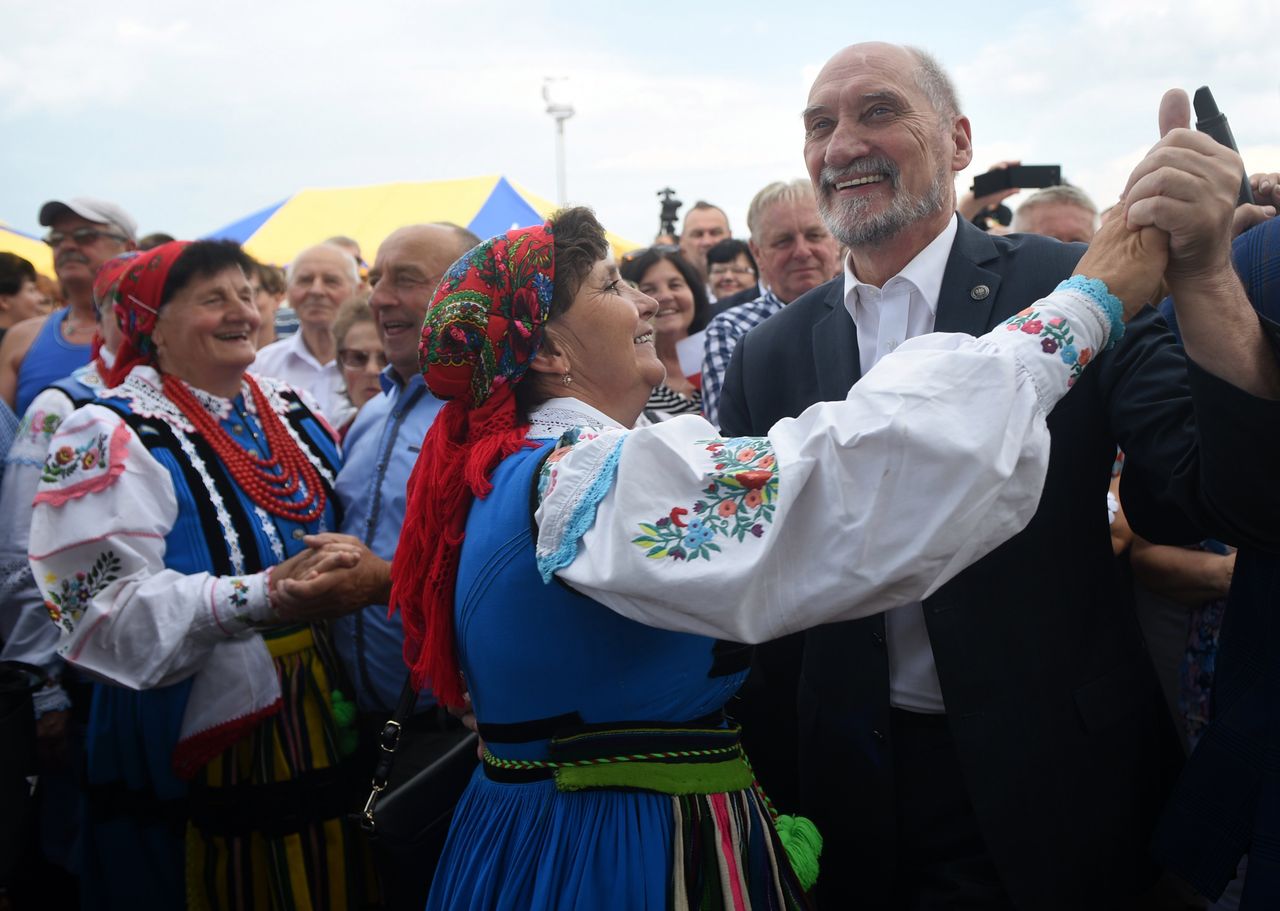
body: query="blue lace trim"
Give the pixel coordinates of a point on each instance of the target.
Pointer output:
(584, 515)
(1096, 289)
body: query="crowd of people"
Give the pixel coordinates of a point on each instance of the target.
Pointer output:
(888, 557)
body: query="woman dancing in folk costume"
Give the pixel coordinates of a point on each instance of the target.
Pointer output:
(164, 509)
(574, 576)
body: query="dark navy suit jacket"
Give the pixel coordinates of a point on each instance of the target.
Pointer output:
(1066, 746)
(1228, 801)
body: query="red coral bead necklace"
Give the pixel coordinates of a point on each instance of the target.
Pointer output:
(270, 482)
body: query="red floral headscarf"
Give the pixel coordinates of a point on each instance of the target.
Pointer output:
(483, 328)
(137, 304)
(106, 285)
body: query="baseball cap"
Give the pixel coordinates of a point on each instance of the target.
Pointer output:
(86, 207)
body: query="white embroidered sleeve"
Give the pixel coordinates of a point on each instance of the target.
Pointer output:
(28, 635)
(936, 457)
(103, 509)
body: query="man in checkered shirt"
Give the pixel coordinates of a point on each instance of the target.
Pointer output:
(795, 252)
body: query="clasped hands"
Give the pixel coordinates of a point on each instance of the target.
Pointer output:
(335, 575)
(1174, 228)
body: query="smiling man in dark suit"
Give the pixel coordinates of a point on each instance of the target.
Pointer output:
(1005, 744)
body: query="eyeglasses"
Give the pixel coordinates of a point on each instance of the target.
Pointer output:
(355, 359)
(82, 236)
(720, 269)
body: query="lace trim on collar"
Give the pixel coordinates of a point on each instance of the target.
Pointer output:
(556, 417)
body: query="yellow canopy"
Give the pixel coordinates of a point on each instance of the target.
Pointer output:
(29, 248)
(485, 205)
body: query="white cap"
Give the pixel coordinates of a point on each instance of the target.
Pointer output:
(98, 210)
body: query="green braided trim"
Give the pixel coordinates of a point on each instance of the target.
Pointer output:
(663, 777)
(732, 751)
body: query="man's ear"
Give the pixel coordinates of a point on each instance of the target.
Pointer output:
(962, 136)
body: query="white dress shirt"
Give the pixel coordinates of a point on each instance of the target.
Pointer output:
(289, 361)
(886, 317)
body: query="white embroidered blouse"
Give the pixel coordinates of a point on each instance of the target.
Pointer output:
(103, 510)
(937, 456)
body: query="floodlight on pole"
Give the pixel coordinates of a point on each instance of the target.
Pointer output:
(560, 111)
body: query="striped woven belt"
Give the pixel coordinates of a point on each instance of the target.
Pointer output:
(286, 643)
(665, 758)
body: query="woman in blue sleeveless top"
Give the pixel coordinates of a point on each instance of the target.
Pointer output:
(590, 585)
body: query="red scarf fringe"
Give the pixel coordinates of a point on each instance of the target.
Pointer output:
(463, 443)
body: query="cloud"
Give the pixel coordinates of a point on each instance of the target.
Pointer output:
(197, 117)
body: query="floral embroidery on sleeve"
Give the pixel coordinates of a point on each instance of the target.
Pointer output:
(68, 598)
(739, 500)
(239, 599)
(66, 461)
(81, 463)
(547, 475)
(1056, 337)
(40, 426)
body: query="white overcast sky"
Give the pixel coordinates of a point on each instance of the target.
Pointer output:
(194, 115)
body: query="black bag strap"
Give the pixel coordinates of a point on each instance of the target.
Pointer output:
(388, 743)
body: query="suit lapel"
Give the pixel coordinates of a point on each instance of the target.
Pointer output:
(963, 305)
(835, 347)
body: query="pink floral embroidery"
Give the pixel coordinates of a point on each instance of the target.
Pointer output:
(1056, 338)
(739, 500)
(100, 461)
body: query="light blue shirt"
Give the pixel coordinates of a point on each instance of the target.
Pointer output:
(380, 451)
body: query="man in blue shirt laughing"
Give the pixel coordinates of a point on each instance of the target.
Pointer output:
(381, 449)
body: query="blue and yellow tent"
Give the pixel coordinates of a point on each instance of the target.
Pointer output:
(32, 249)
(485, 205)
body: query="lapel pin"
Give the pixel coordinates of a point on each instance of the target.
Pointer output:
(979, 292)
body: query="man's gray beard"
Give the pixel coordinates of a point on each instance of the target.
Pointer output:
(847, 223)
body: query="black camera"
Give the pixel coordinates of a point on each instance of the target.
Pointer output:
(669, 213)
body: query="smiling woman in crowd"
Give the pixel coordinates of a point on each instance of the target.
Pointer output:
(683, 310)
(610, 776)
(360, 355)
(731, 268)
(166, 511)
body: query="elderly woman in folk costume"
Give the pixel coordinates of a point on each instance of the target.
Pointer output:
(166, 510)
(574, 575)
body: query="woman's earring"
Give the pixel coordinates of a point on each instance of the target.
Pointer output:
(567, 379)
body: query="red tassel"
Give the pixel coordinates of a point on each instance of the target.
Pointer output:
(463, 443)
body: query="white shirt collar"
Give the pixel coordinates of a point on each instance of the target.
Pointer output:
(924, 272)
(555, 417)
(298, 348)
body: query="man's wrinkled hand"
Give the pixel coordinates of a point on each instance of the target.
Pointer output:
(1132, 263)
(341, 576)
(1186, 186)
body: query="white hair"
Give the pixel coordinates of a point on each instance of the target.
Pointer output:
(1060, 195)
(346, 255)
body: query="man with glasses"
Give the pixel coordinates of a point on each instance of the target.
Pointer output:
(84, 233)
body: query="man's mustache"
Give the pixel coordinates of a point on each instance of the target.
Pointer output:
(860, 167)
(71, 256)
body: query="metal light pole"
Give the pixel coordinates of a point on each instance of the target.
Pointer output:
(560, 112)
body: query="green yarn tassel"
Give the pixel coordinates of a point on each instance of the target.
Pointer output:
(344, 719)
(803, 843)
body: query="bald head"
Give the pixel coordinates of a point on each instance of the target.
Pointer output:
(923, 68)
(408, 267)
(321, 278)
